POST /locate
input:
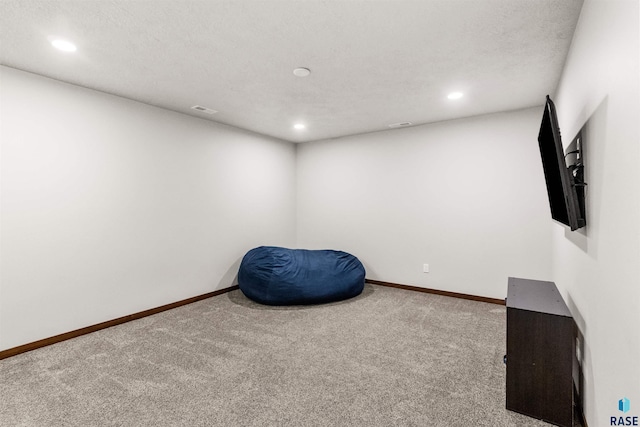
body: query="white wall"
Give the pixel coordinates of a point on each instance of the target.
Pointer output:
(465, 196)
(598, 268)
(110, 207)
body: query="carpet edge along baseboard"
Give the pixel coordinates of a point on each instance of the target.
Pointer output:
(120, 320)
(109, 323)
(437, 292)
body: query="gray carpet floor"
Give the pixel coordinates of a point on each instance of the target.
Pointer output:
(388, 357)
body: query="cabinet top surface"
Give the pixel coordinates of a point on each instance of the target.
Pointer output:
(536, 295)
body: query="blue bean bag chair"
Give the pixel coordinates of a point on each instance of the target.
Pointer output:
(279, 276)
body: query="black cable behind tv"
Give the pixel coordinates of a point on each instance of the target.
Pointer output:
(565, 183)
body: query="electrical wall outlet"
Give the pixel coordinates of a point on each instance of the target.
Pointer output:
(425, 268)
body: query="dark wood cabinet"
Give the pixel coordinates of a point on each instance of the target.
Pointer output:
(541, 336)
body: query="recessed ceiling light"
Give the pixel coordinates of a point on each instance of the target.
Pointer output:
(203, 109)
(301, 72)
(299, 126)
(64, 45)
(455, 95)
(399, 125)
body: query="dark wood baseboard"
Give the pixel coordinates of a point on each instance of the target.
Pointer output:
(438, 292)
(109, 323)
(93, 328)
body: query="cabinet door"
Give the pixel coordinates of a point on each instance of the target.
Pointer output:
(539, 365)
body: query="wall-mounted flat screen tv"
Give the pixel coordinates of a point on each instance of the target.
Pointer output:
(565, 184)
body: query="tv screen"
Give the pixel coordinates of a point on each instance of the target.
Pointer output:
(562, 182)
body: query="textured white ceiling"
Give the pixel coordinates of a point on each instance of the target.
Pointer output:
(372, 63)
